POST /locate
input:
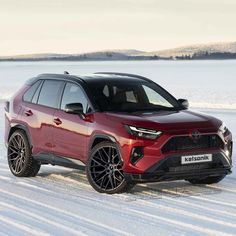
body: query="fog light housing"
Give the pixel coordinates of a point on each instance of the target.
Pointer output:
(136, 154)
(227, 153)
(229, 150)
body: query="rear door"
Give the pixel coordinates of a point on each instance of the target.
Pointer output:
(38, 114)
(70, 132)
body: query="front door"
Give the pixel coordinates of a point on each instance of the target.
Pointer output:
(70, 132)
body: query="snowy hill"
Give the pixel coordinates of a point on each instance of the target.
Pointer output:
(131, 54)
(190, 50)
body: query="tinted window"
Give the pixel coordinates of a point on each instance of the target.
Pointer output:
(131, 96)
(49, 94)
(36, 94)
(155, 98)
(30, 92)
(74, 94)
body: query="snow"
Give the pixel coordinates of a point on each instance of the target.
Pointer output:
(60, 201)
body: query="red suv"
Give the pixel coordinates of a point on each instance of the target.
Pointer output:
(124, 128)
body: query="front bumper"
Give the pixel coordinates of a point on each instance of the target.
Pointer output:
(170, 168)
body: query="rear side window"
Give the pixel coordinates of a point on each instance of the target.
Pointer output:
(73, 94)
(31, 91)
(36, 94)
(50, 92)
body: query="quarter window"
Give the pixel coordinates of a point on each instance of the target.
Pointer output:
(36, 94)
(31, 91)
(50, 92)
(155, 98)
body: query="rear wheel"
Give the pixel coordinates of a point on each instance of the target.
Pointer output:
(20, 161)
(104, 169)
(207, 180)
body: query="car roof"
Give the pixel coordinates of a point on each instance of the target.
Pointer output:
(99, 76)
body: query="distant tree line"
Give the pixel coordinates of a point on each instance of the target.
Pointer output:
(110, 56)
(208, 56)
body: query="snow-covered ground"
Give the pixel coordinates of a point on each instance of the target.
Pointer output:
(60, 201)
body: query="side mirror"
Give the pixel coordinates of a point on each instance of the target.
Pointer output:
(184, 103)
(74, 108)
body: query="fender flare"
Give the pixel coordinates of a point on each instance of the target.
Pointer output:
(16, 126)
(100, 136)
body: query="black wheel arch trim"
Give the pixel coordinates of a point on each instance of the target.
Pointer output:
(15, 126)
(106, 137)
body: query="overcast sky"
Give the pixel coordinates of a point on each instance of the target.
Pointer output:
(74, 26)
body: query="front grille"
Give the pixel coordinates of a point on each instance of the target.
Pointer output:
(188, 143)
(200, 166)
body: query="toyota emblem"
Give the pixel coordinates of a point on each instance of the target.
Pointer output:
(196, 135)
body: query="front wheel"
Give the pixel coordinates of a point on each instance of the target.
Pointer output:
(104, 169)
(207, 180)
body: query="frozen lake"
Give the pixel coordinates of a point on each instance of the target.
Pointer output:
(207, 84)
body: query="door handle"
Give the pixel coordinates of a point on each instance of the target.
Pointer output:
(57, 121)
(28, 113)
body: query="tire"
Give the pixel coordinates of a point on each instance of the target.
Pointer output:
(20, 161)
(104, 169)
(207, 180)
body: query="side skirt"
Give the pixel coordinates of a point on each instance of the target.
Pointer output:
(47, 158)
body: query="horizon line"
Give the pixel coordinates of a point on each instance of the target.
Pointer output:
(122, 49)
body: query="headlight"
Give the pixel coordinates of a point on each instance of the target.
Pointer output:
(142, 132)
(223, 129)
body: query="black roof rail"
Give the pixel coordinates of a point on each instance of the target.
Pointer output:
(125, 74)
(62, 76)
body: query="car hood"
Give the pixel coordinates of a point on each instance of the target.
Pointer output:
(168, 119)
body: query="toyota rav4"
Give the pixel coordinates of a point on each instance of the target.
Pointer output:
(124, 128)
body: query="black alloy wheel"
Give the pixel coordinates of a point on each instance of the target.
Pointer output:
(104, 169)
(20, 160)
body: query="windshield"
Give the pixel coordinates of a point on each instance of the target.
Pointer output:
(131, 96)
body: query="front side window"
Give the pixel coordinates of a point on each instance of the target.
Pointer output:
(50, 93)
(74, 94)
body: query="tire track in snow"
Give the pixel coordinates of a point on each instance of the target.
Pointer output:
(124, 213)
(24, 227)
(184, 194)
(98, 224)
(186, 213)
(113, 207)
(194, 205)
(221, 188)
(38, 217)
(163, 190)
(165, 208)
(186, 225)
(202, 198)
(174, 210)
(33, 187)
(68, 179)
